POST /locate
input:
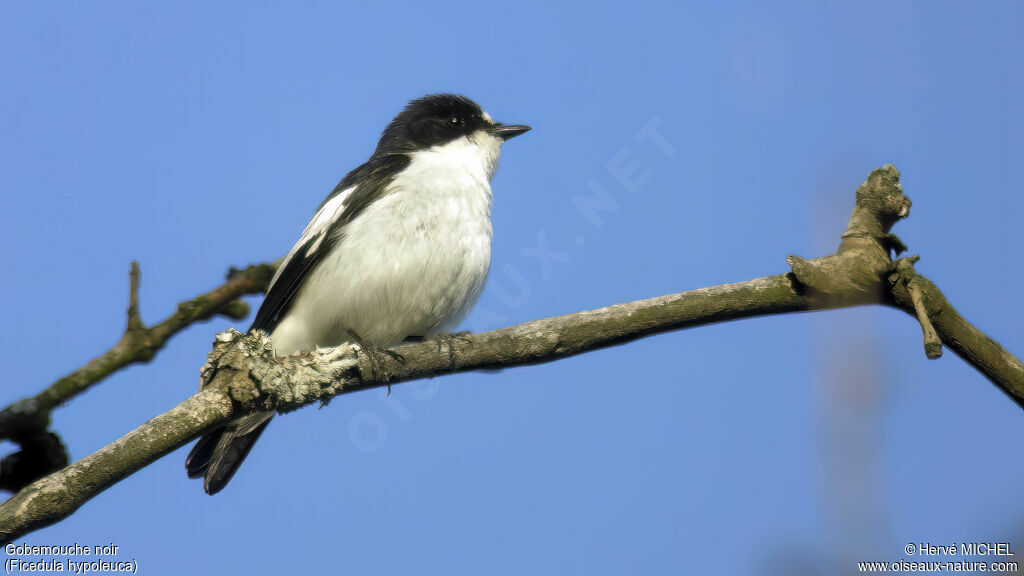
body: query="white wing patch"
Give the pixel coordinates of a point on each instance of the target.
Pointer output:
(317, 228)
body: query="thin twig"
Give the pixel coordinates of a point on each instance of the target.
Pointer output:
(905, 273)
(135, 278)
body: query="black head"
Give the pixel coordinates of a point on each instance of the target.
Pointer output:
(438, 119)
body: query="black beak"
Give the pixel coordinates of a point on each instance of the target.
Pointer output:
(505, 132)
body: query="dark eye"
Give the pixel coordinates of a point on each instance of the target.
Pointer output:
(455, 121)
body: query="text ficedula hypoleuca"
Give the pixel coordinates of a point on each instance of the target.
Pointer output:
(400, 248)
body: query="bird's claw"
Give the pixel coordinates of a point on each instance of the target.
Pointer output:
(449, 341)
(376, 354)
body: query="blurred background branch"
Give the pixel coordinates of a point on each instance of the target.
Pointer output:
(26, 421)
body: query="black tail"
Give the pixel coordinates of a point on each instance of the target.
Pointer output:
(218, 454)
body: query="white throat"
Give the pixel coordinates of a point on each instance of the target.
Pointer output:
(475, 156)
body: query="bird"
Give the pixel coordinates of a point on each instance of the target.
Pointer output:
(399, 249)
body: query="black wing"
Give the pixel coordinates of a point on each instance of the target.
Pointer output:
(371, 181)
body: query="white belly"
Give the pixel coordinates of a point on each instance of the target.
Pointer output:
(412, 263)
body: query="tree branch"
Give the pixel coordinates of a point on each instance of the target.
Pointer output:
(983, 353)
(26, 421)
(242, 374)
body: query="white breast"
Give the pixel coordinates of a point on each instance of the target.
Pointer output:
(411, 263)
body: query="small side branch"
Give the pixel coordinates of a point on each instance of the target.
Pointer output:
(932, 344)
(906, 275)
(135, 277)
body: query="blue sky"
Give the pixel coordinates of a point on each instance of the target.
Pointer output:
(197, 136)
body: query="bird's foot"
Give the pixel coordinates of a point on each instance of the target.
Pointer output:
(449, 340)
(376, 354)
